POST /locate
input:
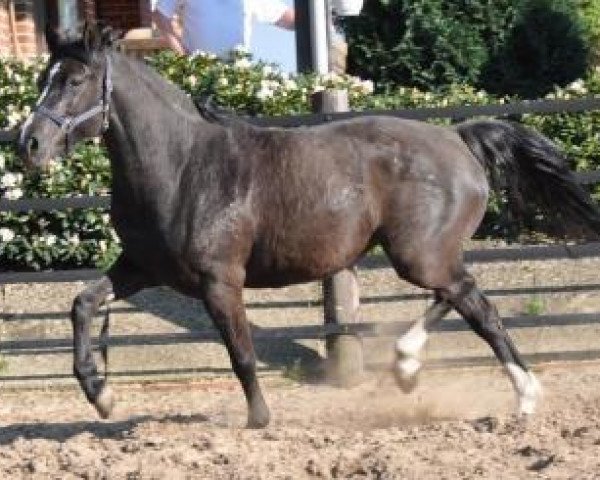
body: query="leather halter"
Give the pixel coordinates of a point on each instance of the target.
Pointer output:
(68, 123)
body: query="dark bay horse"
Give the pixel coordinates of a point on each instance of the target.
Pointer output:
(211, 207)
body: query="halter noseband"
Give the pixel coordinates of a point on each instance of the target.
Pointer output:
(68, 123)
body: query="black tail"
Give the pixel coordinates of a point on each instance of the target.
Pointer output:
(533, 170)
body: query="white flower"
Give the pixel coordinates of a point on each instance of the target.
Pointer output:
(13, 193)
(366, 86)
(578, 86)
(267, 70)
(9, 180)
(6, 235)
(222, 82)
(267, 89)
(290, 84)
(74, 239)
(242, 63)
(264, 93)
(2, 162)
(330, 77)
(241, 49)
(14, 118)
(193, 80)
(103, 246)
(50, 240)
(105, 217)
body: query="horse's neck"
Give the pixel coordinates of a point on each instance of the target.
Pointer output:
(152, 128)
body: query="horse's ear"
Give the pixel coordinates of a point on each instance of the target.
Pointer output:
(53, 38)
(92, 38)
(109, 36)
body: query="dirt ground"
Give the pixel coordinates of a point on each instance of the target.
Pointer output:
(457, 425)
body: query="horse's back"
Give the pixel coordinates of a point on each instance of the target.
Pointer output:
(322, 195)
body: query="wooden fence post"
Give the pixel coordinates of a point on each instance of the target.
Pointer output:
(340, 292)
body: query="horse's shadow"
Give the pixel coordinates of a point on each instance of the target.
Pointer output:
(61, 432)
(188, 313)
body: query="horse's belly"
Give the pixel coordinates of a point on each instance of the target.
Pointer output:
(313, 256)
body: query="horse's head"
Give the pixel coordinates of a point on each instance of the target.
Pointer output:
(75, 95)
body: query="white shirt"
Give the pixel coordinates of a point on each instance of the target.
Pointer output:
(218, 26)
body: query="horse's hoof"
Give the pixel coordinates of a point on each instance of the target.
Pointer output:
(258, 420)
(527, 386)
(407, 373)
(407, 383)
(104, 402)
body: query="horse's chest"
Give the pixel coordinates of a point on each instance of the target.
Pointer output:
(141, 234)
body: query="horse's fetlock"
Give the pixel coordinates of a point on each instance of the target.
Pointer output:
(246, 365)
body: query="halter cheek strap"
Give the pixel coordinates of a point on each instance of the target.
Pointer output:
(68, 123)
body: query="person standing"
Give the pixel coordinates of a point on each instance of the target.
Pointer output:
(217, 26)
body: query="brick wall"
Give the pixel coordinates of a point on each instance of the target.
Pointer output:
(123, 14)
(87, 9)
(5, 43)
(24, 28)
(26, 34)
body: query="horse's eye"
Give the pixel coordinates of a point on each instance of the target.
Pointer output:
(75, 81)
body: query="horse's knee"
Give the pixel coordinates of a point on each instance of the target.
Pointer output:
(244, 364)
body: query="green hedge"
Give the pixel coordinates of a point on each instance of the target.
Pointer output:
(590, 12)
(521, 47)
(84, 238)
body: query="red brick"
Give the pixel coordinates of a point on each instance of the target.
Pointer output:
(124, 14)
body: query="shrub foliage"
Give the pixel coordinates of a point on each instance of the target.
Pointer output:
(522, 47)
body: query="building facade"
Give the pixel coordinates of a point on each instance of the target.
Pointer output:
(22, 22)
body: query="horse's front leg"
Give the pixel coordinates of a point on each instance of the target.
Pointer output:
(119, 282)
(225, 305)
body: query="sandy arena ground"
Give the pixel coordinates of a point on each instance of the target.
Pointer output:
(457, 425)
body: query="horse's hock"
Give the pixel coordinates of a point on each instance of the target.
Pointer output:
(37, 335)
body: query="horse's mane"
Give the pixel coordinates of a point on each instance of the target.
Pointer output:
(161, 87)
(213, 113)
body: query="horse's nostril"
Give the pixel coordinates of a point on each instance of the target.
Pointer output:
(32, 146)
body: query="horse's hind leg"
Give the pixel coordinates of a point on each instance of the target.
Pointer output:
(119, 282)
(225, 305)
(409, 346)
(483, 318)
